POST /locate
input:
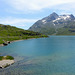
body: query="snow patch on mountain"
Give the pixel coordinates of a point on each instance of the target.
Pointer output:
(54, 24)
(44, 21)
(62, 17)
(65, 17)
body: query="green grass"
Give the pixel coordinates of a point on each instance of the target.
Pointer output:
(66, 31)
(1, 57)
(11, 33)
(9, 57)
(6, 57)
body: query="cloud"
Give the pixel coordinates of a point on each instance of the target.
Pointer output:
(17, 22)
(25, 8)
(30, 5)
(66, 8)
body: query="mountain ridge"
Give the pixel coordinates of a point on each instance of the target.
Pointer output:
(50, 24)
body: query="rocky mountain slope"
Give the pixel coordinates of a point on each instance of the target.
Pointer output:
(55, 24)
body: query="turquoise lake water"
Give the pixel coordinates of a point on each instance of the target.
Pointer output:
(43, 56)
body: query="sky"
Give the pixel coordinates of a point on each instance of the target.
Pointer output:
(24, 13)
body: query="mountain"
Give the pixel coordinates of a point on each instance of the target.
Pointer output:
(53, 23)
(11, 33)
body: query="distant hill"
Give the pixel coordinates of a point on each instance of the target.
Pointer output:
(55, 24)
(11, 33)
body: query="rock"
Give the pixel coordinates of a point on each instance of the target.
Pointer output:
(5, 63)
(8, 42)
(5, 44)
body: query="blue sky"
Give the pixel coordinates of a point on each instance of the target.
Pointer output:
(24, 13)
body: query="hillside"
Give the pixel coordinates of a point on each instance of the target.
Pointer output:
(55, 24)
(11, 33)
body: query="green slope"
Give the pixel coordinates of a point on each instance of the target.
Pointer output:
(11, 33)
(67, 29)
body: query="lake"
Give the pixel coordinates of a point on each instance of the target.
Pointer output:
(43, 56)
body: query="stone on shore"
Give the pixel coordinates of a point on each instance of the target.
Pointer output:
(6, 61)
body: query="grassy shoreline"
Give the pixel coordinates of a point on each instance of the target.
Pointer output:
(14, 40)
(11, 33)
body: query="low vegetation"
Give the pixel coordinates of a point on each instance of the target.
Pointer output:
(66, 30)
(11, 33)
(6, 57)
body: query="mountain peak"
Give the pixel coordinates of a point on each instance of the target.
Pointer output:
(54, 13)
(53, 16)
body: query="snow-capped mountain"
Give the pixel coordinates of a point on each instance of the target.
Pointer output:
(64, 17)
(51, 23)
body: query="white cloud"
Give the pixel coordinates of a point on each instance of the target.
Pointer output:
(17, 22)
(67, 8)
(25, 5)
(30, 6)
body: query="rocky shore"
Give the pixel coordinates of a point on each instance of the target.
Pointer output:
(5, 63)
(15, 41)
